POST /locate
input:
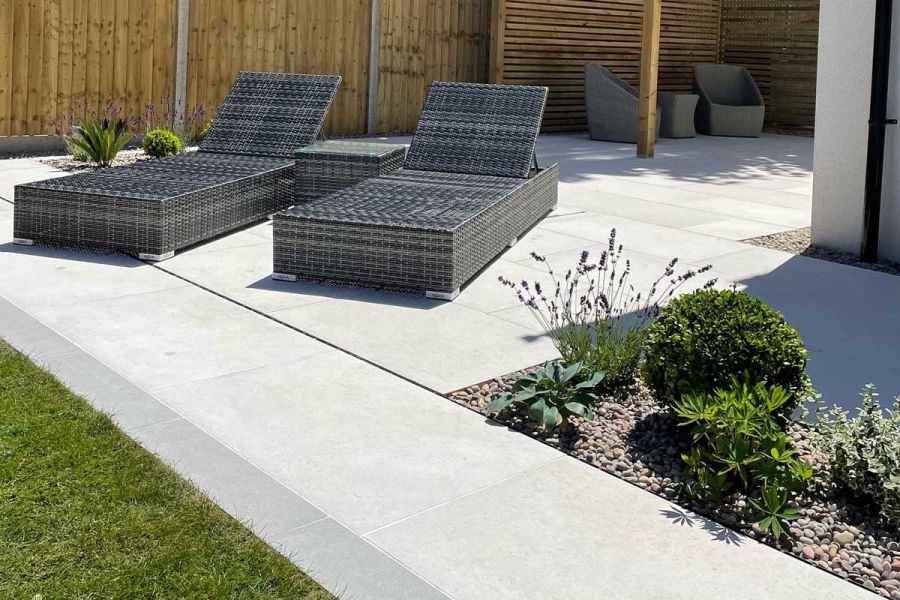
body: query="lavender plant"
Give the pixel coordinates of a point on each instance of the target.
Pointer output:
(161, 115)
(594, 314)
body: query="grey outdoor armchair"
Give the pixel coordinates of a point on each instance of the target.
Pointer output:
(612, 106)
(730, 102)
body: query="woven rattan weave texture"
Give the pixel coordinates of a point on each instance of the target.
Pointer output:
(430, 229)
(155, 207)
(480, 129)
(335, 165)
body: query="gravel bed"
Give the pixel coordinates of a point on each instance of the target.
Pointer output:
(798, 241)
(634, 438)
(69, 164)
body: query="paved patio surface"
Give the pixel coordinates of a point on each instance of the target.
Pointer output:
(310, 412)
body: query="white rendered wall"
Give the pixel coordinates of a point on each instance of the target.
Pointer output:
(889, 242)
(842, 111)
(843, 83)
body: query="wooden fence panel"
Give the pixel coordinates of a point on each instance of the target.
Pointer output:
(60, 58)
(547, 42)
(423, 41)
(301, 36)
(778, 41)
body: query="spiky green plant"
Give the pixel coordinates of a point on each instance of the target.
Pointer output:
(100, 140)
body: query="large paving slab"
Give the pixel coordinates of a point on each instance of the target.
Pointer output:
(23, 170)
(559, 531)
(370, 447)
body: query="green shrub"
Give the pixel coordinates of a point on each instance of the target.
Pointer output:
(162, 142)
(864, 452)
(551, 396)
(99, 140)
(738, 445)
(703, 340)
(78, 155)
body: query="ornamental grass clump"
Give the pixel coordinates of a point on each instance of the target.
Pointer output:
(738, 444)
(863, 453)
(703, 340)
(594, 314)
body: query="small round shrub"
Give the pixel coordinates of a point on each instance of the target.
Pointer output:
(702, 340)
(162, 142)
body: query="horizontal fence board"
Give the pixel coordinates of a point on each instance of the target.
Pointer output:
(548, 42)
(778, 43)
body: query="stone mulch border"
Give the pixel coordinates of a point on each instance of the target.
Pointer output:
(798, 241)
(635, 439)
(70, 165)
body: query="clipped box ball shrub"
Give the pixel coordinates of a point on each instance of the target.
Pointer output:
(162, 142)
(702, 340)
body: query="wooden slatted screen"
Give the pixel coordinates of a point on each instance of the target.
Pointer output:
(547, 42)
(778, 41)
(59, 57)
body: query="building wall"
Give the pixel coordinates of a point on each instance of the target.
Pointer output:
(889, 242)
(842, 112)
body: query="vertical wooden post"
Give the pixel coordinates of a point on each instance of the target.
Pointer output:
(181, 58)
(649, 78)
(374, 65)
(498, 32)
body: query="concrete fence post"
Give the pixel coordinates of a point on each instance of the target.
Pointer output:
(374, 58)
(181, 58)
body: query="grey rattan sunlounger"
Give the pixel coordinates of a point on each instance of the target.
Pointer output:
(469, 188)
(242, 173)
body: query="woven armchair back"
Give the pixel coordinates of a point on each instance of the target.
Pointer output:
(730, 85)
(271, 114)
(478, 128)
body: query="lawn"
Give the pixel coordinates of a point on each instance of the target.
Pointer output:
(85, 512)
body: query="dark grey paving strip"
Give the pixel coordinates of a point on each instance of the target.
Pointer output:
(350, 566)
(298, 330)
(339, 559)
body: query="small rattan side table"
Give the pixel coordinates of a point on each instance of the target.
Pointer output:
(677, 111)
(334, 165)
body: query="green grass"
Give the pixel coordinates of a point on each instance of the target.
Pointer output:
(87, 513)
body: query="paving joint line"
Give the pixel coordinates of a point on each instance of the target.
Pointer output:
(300, 331)
(5, 200)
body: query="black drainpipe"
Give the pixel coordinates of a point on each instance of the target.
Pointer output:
(878, 122)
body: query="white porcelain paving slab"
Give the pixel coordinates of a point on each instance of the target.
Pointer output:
(641, 210)
(39, 277)
(738, 229)
(567, 530)
(747, 192)
(543, 241)
(753, 211)
(23, 170)
(444, 346)
(168, 338)
(647, 238)
(367, 447)
(243, 273)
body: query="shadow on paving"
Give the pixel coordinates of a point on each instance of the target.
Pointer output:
(697, 160)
